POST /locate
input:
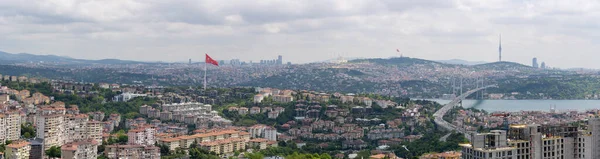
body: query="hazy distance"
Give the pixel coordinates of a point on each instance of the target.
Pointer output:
(559, 33)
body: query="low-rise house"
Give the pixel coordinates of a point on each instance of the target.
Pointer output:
(254, 110)
(243, 111)
(354, 144)
(273, 115)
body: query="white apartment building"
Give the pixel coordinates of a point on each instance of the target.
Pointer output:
(3, 134)
(270, 134)
(13, 125)
(124, 97)
(50, 125)
(80, 150)
(94, 130)
(142, 136)
(263, 131)
(76, 127)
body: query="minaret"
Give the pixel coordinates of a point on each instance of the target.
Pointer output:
(500, 49)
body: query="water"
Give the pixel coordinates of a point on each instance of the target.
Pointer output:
(527, 105)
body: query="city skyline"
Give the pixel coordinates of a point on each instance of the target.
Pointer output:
(301, 31)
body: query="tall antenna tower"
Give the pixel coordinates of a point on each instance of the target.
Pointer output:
(500, 49)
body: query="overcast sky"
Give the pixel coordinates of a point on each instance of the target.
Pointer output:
(563, 33)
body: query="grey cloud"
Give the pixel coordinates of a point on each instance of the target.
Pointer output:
(257, 29)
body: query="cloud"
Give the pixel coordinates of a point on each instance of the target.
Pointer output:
(302, 30)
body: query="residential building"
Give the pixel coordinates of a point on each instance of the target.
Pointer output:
(97, 116)
(3, 131)
(4, 98)
(443, 155)
(259, 143)
(17, 150)
(254, 110)
(283, 98)
(124, 97)
(13, 125)
(94, 130)
(489, 145)
(535, 142)
(142, 136)
(243, 111)
(76, 127)
(223, 142)
(80, 150)
(270, 133)
(257, 131)
(37, 148)
(273, 115)
(132, 152)
(258, 98)
(50, 125)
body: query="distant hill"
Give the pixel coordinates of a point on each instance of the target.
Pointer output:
(461, 62)
(398, 61)
(9, 58)
(503, 65)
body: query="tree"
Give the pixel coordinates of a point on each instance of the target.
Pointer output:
(257, 155)
(123, 139)
(53, 152)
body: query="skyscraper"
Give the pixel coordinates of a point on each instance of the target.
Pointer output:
(279, 60)
(543, 65)
(534, 63)
(190, 61)
(500, 49)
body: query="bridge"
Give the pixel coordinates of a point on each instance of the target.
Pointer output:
(438, 116)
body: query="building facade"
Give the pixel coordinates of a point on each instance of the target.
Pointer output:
(534, 141)
(80, 149)
(132, 152)
(17, 150)
(142, 136)
(50, 125)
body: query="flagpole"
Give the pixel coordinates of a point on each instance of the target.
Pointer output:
(205, 74)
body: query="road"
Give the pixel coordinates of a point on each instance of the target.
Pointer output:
(438, 116)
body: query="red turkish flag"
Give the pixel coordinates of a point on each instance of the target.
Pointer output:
(211, 61)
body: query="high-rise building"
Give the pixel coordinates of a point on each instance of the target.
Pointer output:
(3, 134)
(537, 142)
(50, 125)
(13, 125)
(76, 127)
(488, 145)
(94, 130)
(190, 61)
(37, 148)
(280, 60)
(543, 65)
(534, 63)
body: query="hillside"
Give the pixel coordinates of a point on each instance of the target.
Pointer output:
(399, 61)
(9, 58)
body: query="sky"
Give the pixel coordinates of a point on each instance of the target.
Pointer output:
(561, 33)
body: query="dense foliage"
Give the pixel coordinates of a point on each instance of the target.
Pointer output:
(53, 152)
